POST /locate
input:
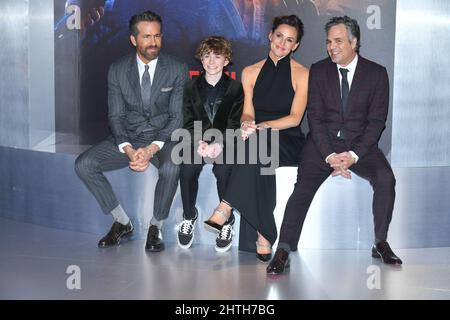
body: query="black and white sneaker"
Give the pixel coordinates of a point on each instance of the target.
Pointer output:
(225, 238)
(186, 233)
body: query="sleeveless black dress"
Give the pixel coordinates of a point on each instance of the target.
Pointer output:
(249, 192)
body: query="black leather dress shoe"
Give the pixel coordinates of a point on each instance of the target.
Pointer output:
(383, 250)
(279, 263)
(117, 232)
(154, 242)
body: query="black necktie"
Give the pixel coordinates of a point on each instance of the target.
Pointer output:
(344, 89)
(146, 87)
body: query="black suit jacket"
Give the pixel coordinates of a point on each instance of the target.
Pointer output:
(367, 106)
(228, 106)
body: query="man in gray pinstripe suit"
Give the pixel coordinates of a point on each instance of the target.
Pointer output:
(145, 92)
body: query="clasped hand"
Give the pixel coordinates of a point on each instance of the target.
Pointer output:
(211, 150)
(140, 158)
(341, 163)
(249, 127)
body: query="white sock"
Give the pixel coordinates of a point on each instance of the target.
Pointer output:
(157, 223)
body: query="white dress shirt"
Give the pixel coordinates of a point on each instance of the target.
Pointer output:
(351, 67)
(151, 68)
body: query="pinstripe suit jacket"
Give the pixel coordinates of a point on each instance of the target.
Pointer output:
(126, 112)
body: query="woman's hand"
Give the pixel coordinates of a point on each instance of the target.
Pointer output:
(213, 150)
(247, 128)
(202, 149)
(263, 125)
(209, 150)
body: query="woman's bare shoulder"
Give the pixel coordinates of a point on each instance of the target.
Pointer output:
(298, 68)
(254, 67)
(251, 72)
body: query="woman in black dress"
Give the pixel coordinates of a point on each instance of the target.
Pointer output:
(275, 95)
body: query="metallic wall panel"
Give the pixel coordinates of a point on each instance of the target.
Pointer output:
(67, 58)
(420, 130)
(14, 71)
(41, 64)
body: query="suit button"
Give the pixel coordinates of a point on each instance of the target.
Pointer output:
(147, 114)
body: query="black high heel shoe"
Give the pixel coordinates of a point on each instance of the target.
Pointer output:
(215, 227)
(263, 257)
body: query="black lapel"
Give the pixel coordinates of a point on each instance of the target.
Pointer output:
(221, 99)
(198, 97)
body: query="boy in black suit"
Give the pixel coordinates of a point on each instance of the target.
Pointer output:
(215, 100)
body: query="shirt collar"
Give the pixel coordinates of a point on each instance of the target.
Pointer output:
(351, 67)
(141, 64)
(218, 84)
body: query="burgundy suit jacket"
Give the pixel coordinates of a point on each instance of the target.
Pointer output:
(367, 106)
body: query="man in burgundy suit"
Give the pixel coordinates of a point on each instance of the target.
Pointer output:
(348, 103)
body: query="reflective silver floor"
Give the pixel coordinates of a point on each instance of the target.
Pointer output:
(38, 263)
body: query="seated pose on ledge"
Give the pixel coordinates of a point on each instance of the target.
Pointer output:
(275, 91)
(145, 92)
(348, 103)
(214, 100)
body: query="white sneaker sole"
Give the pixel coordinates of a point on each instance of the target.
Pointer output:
(224, 249)
(185, 246)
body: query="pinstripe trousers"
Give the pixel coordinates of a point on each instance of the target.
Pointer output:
(105, 156)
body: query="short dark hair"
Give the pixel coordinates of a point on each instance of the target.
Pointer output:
(216, 45)
(350, 24)
(143, 16)
(292, 21)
